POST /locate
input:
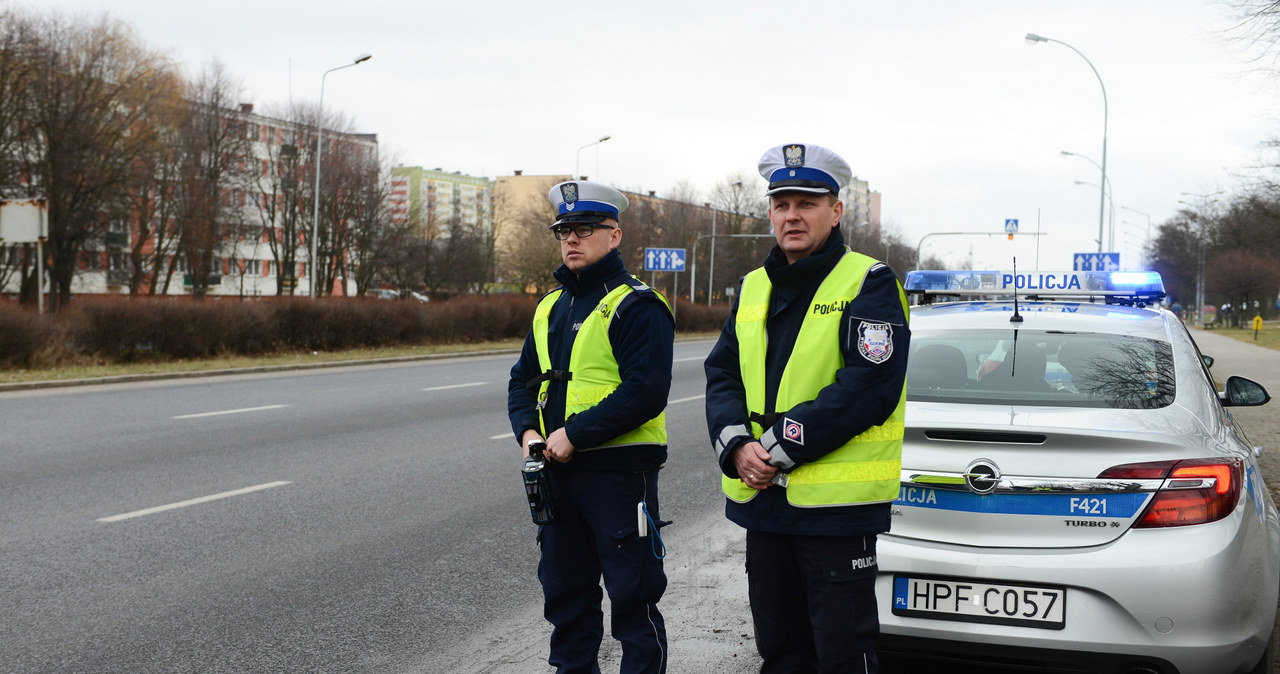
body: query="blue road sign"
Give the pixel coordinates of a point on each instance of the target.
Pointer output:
(664, 259)
(1011, 225)
(1096, 262)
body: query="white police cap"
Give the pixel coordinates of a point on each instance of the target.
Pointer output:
(804, 168)
(581, 201)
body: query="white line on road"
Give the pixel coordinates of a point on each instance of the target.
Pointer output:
(443, 388)
(681, 360)
(500, 436)
(194, 501)
(685, 400)
(214, 414)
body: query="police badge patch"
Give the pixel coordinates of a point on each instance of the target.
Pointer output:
(794, 155)
(875, 341)
(570, 192)
(793, 431)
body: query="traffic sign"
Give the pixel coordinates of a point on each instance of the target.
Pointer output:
(664, 259)
(1011, 225)
(1096, 262)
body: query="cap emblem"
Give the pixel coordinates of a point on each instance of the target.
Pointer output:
(794, 155)
(570, 192)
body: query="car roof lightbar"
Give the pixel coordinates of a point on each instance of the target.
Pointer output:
(1119, 285)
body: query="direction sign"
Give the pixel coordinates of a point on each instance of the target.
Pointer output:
(664, 259)
(1096, 261)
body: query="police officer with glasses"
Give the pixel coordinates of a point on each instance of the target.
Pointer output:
(805, 401)
(592, 380)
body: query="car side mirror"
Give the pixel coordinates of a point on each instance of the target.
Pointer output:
(1241, 392)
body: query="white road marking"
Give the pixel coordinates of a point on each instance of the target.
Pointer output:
(685, 400)
(214, 414)
(444, 388)
(681, 360)
(194, 501)
(499, 436)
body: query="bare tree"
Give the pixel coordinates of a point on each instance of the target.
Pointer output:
(530, 253)
(86, 116)
(282, 190)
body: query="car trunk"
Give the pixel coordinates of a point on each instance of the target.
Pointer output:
(1048, 461)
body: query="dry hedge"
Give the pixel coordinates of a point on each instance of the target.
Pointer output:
(146, 329)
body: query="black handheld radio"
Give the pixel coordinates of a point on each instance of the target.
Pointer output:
(537, 484)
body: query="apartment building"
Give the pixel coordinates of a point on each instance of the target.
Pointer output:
(433, 200)
(266, 192)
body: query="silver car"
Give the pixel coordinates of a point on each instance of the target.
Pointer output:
(1076, 496)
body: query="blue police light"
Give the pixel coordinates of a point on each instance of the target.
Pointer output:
(1119, 284)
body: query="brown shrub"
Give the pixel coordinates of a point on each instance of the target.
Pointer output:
(133, 329)
(27, 339)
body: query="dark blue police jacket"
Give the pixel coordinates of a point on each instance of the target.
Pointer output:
(641, 333)
(863, 395)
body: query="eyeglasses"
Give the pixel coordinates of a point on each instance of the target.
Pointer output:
(583, 231)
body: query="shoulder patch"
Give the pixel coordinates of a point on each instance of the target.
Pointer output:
(875, 341)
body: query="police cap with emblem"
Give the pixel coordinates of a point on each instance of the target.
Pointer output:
(804, 168)
(582, 201)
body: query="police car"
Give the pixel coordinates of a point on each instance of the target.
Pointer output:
(1075, 496)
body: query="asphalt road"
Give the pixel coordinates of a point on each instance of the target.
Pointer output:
(387, 531)
(364, 519)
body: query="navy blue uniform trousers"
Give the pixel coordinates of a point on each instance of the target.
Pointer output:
(595, 534)
(813, 602)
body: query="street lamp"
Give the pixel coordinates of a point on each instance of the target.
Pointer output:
(1032, 38)
(1206, 200)
(577, 175)
(1148, 243)
(711, 277)
(315, 216)
(1111, 237)
(1111, 240)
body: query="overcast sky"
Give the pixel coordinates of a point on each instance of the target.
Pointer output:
(942, 106)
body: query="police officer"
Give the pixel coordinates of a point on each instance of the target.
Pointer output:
(592, 380)
(805, 400)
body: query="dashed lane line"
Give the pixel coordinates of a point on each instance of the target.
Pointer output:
(219, 413)
(194, 501)
(453, 386)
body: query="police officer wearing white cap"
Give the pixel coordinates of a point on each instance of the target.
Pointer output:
(805, 402)
(593, 379)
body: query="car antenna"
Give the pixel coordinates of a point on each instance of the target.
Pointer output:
(1016, 318)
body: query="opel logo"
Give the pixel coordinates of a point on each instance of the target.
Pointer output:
(982, 476)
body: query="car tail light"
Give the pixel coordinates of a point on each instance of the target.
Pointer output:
(1194, 491)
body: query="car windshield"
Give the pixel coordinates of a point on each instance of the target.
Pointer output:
(1025, 367)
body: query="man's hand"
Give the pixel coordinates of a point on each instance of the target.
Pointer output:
(558, 446)
(753, 466)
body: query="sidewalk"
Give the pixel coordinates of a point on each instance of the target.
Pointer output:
(1262, 424)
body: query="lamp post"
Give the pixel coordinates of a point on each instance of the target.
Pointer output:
(1032, 38)
(577, 175)
(1205, 201)
(315, 215)
(1111, 237)
(1147, 245)
(1111, 240)
(711, 277)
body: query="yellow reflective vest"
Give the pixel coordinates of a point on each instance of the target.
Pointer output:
(867, 468)
(594, 371)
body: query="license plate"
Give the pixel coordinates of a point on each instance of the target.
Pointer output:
(1042, 606)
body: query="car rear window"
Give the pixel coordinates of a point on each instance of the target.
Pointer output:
(1024, 367)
